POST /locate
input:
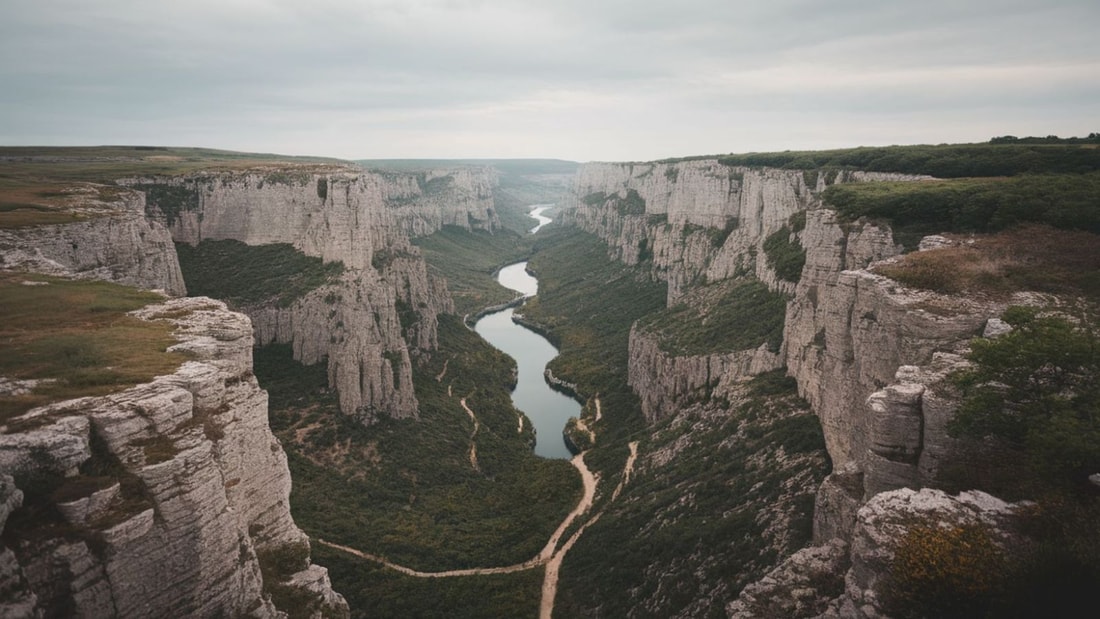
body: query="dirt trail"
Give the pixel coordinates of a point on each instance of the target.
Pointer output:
(628, 469)
(473, 435)
(550, 556)
(545, 555)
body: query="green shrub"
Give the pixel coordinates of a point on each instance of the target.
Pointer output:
(785, 256)
(723, 317)
(249, 274)
(1067, 201)
(1038, 389)
(945, 161)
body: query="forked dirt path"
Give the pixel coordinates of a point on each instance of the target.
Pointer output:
(542, 558)
(551, 554)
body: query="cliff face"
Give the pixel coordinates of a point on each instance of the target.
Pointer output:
(372, 324)
(698, 221)
(167, 499)
(115, 243)
(344, 215)
(869, 355)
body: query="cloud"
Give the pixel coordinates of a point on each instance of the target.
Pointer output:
(591, 79)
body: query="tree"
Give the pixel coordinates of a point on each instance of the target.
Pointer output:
(1038, 389)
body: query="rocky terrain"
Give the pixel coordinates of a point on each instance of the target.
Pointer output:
(167, 499)
(869, 354)
(383, 312)
(113, 241)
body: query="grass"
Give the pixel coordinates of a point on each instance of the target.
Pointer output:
(723, 317)
(105, 164)
(785, 256)
(1066, 201)
(704, 515)
(77, 334)
(467, 260)
(35, 202)
(250, 274)
(405, 489)
(375, 591)
(49, 185)
(1035, 258)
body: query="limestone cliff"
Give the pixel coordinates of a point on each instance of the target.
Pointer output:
(112, 241)
(167, 499)
(373, 323)
(697, 221)
(871, 356)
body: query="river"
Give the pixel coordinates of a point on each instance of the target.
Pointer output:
(548, 410)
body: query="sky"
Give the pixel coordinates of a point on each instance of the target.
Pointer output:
(585, 80)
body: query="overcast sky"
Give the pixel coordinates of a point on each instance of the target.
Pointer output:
(573, 79)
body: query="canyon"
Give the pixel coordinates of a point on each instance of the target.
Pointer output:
(210, 531)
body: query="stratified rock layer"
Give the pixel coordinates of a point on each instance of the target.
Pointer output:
(383, 312)
(185, 484)
(114, 242)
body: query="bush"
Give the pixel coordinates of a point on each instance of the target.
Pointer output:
(943, 572)
(785, 256)
(1038, 389)
(244, 274)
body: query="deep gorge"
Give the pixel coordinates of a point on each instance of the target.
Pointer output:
(758, 394)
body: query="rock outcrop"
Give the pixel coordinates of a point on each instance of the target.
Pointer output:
(166, 499)
(372, 324)
(666, 383)
(870, 355)
(834, 581)
(112, 241)
(698, 220)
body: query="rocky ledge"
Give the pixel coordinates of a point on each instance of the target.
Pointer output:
(166, 499)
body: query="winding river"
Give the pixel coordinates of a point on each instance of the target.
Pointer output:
(547, 409)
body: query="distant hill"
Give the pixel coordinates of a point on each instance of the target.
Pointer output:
(505, 166)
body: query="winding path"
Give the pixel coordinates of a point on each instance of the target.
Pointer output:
(473, 435)
(551, 554)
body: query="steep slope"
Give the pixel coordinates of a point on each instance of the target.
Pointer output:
(166, 499)
(383, 311)
(872, 356)
(109, 238)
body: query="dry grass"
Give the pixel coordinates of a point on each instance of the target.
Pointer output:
(1032, 258)
(77, 333)
(32, 202)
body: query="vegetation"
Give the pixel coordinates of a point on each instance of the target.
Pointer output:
(252, 274)
(32, 202)
(106, 164)
(586, 305)
(1034, 257)
(76, 336)
(698, 513)
(631, 204)
(944, 571)
(944, 161)
(724, 317)
(468, 259)
(1036, 388)
(915, 209)
(404, 489)
(171, 200)
(26, 199)
(1029, 425)
(785, 256)
(376, 591)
